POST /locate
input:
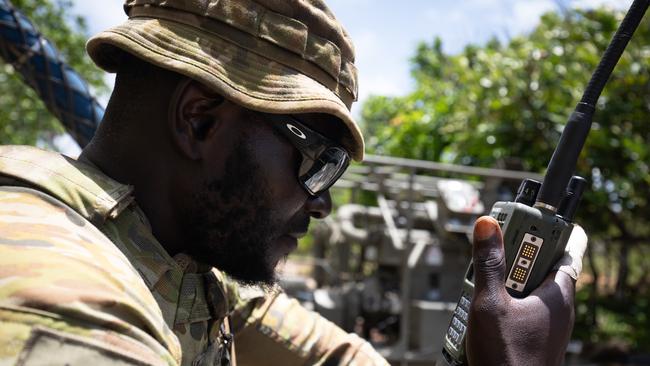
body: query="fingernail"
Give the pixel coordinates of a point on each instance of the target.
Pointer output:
(485, 228)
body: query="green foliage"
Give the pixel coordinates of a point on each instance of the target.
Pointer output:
(627, 322)
(513, 100)
(23, 117)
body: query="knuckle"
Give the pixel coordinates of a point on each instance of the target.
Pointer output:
(489, 304)
(491, 262)
(567, 304)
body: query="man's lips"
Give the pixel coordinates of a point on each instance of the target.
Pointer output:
(297, 229)
(283, 247)
(297, 235)
(288, 242)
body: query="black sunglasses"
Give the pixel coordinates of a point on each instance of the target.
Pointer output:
(323, 162)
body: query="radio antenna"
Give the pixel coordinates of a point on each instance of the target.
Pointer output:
(565, 157)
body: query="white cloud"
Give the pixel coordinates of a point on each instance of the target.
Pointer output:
(350, 4)
(66, 145)
(379, 71)
(100, 14)
(617, 4)
(386, 34)
(525, 14)
(366, 42)
(385, 85)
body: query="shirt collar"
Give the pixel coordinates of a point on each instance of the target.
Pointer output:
(203, 292)
(83, 187)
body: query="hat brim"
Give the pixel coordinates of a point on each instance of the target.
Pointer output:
(249, 79)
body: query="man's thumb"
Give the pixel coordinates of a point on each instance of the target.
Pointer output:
(488, 255)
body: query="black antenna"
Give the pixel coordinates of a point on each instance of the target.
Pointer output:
(563, 163)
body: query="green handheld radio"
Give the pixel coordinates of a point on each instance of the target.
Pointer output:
(537, 225)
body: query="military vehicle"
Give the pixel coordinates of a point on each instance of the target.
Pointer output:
(389, 262)
(387, 265)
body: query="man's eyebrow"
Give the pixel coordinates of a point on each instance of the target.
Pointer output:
(336, 134)
(259, 117)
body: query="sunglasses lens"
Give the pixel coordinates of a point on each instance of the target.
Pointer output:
(326, 170)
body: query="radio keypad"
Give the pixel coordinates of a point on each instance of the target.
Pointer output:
(458, 325)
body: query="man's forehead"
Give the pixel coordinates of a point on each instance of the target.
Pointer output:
(327, 125)
(276, 56)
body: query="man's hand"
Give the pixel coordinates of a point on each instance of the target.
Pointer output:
(508, 331)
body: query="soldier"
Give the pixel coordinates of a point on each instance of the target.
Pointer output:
(228, 124)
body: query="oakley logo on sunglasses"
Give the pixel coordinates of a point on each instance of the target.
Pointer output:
(296, 131)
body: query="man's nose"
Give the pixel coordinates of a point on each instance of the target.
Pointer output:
(319, 206)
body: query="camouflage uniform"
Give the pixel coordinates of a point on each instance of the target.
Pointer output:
(82, 279)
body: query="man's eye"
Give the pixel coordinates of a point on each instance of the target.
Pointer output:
(297, 160)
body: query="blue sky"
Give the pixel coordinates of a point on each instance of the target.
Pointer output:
(386, 32)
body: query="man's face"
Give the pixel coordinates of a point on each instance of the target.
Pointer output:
(248, 219)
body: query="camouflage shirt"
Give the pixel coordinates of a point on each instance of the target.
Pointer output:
(83, 279)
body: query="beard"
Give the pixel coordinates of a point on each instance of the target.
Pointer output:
(231, 225)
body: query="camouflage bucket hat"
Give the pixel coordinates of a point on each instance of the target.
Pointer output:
(274, 56)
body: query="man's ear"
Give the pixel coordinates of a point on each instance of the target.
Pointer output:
(193, 116)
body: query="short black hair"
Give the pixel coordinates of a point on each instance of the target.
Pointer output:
(138, 79)
(138, 83)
